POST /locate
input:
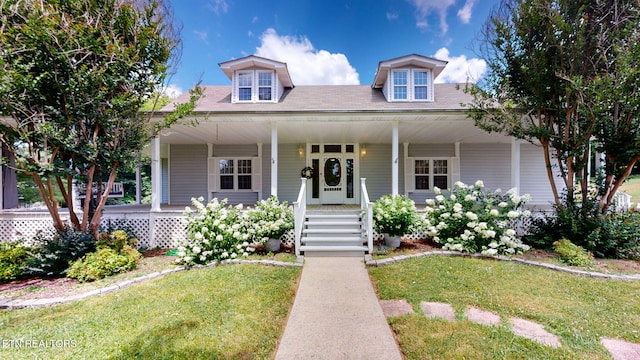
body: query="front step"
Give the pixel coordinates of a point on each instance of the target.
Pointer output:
(332, 234)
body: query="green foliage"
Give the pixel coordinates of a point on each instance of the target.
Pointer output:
(116, 240)
(473, 220)
(572, 254)
(214, 232)
(394, 215)
(73, 75)
(611, 235)
(13, 260)
(104, 262)
(54, 251)
(268, 219)
(563, 73)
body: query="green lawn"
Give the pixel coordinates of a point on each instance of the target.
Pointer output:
(226, 312)
(632, 187)
(578, 309)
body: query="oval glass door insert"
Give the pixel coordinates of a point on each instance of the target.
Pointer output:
(332, 172)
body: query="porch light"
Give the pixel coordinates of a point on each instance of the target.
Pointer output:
(300, 151)
(363, 150)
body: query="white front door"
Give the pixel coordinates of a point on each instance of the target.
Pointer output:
(332, 179)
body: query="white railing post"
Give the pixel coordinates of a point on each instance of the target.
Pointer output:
(299, 213)
(367, 207)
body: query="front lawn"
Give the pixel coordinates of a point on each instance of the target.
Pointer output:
(578, 309)
(227, 312)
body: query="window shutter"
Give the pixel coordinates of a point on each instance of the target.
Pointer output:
(256, 174)
(214, 174)
(409, 175)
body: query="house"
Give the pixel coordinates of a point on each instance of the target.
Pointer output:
(403, 133)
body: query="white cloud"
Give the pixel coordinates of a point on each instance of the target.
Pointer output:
(392, 16)
(424, 8)
(307, 65)
(460, 69)
(218, 6)
(202, 35)
(172, 91)
(465, 13)
(254, 20)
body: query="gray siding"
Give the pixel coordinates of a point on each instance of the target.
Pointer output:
(289, 166)
(240, 197)
(235, 150)
(432, 150)
(187, 173)
(533, 175)
(164, 163)
(266, 171)
(490, 163)
(375, 166)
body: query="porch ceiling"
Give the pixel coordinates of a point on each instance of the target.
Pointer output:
(342, 128)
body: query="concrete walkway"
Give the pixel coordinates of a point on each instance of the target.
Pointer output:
(336, 315)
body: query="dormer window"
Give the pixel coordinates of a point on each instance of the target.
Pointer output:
(408, 78)
(255, 85)
(410, 85)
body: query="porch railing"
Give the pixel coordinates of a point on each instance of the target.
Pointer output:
(367, 218)
(299, 213)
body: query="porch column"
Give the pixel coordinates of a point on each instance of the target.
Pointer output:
(515, 164)
(394, 160)
(156, 175)
(274, 158)
(1, 182)
(138, 181)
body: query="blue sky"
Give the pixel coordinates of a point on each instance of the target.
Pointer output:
(328, 41)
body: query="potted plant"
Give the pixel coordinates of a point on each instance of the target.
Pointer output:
(268, 221)
(394, 216)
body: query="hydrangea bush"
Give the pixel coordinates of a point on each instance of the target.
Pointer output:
(214, 232)
(471, 219)
(269, 219)
(394, 215)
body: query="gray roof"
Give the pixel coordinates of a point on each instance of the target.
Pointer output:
(328, 98)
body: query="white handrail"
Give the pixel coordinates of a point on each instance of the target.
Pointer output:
(367, 208)
(299, 213)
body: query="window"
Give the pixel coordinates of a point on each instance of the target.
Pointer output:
(420, 85)
(264, 86)
(410, 85)
(400, 85)
(254, 86)
(245, 81)
(235, 174)
(431, 172)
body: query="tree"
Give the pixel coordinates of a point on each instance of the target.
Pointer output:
(564, 74)
(73, 74)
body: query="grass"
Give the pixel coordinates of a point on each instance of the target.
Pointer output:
(579, 310)
(227, 312)
(632, 187)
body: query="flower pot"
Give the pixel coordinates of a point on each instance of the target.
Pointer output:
(392, 241)
(273, 244)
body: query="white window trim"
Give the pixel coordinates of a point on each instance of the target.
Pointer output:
(216, 185)
(431, 173)
(255, 86)
(411, 85)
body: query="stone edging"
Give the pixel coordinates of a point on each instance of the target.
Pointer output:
(400, 258)
(18, 304)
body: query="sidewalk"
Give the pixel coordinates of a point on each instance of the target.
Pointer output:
(336, 315)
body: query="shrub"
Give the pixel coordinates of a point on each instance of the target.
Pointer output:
(13, 260)
(116, 240)
(572, 254)
(472, 220)
(612, 235)
(269, 219)
(55, 251)
(394, 215)
(104, 262)
(214, 232)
